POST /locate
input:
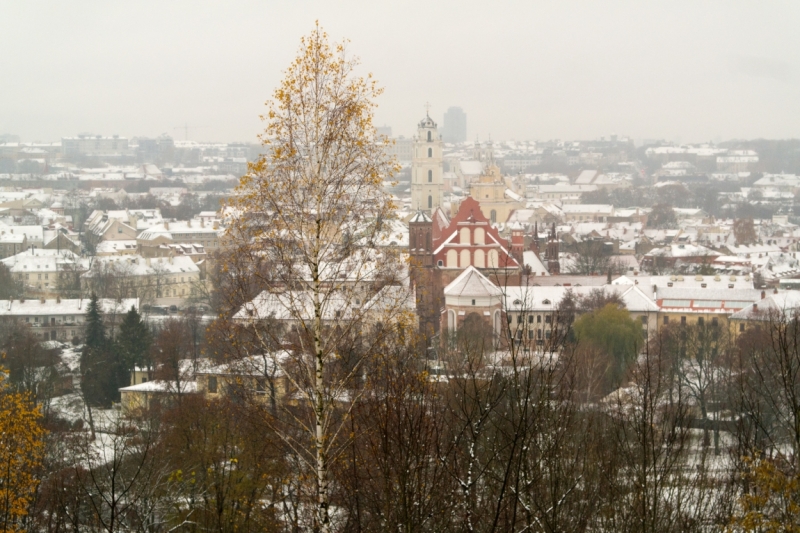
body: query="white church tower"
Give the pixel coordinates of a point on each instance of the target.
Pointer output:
(427, 174)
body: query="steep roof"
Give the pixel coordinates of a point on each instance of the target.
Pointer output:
(472, 283)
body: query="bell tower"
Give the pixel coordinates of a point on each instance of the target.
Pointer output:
(420, 237)
(427, 175)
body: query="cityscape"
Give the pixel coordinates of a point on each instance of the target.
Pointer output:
(368, 318)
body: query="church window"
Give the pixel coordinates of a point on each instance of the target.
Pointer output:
(430, 202)
(493, 259)
(440, 263)
(493, 216)
(479, 260)
(479, 236)
(463, 236)
(465, 259)
(452, 259)
(430, 176)
(430, 152)
(429, 137)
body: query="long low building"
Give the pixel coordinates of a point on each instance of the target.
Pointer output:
(59, 319)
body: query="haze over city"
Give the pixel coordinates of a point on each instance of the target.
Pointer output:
(680, 71)
(541, 276)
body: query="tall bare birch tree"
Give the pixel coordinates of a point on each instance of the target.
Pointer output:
(308, 220)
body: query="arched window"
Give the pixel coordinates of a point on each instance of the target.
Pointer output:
(430, 176)
(493, 259)
(430, 202)
(480, 259)
(463, 236)
(480, 236)
(430, 152)
(452, 259)
(465, 260)
(429, 137)
(493, 216)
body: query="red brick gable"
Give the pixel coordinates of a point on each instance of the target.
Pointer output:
(470, 240)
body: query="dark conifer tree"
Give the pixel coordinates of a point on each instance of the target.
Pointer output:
(133, 346)
(98, 381)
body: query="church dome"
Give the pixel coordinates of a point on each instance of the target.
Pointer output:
(427, 122)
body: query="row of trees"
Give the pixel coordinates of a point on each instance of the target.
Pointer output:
(532, 442)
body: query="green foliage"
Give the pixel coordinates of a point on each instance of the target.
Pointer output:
(611, 330)
(102, 368)
(133, 345)
(9, 287)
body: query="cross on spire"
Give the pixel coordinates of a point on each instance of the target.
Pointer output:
(427, 109)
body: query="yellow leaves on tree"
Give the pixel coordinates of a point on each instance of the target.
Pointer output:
(772, 505)
(21, 450)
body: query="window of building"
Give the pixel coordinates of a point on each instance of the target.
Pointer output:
(440, 263)
(430, 152)
(666, 320)
(493, 216)
(741, 326)
(644, 320)
(530, 334)
(539, 333)
(548, 319)
(700, 321)
(430, 176)
(212, 384)
(530, 319)
(430, 202)
(714, 321)
(473, 302)
(547, 334)
(538, 319)
(519, 319)
(683, 321)
(429, 137)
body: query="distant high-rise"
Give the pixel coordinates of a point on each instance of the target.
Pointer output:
(454, 128)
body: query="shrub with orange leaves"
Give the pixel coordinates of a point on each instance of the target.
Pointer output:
(21, 450)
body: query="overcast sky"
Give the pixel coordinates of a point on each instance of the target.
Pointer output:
(683, 71)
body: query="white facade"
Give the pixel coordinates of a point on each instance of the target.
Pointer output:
(427, 173)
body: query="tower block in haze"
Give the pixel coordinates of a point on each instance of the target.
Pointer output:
(427, 174)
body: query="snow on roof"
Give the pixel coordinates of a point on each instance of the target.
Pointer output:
(471, 283)
(71, 306)
(530, 259)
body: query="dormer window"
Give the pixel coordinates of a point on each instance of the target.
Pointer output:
(546, 302)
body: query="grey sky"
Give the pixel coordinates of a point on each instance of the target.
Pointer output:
(688, 71)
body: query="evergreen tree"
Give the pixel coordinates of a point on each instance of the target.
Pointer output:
(133, 346)
(98, 381)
